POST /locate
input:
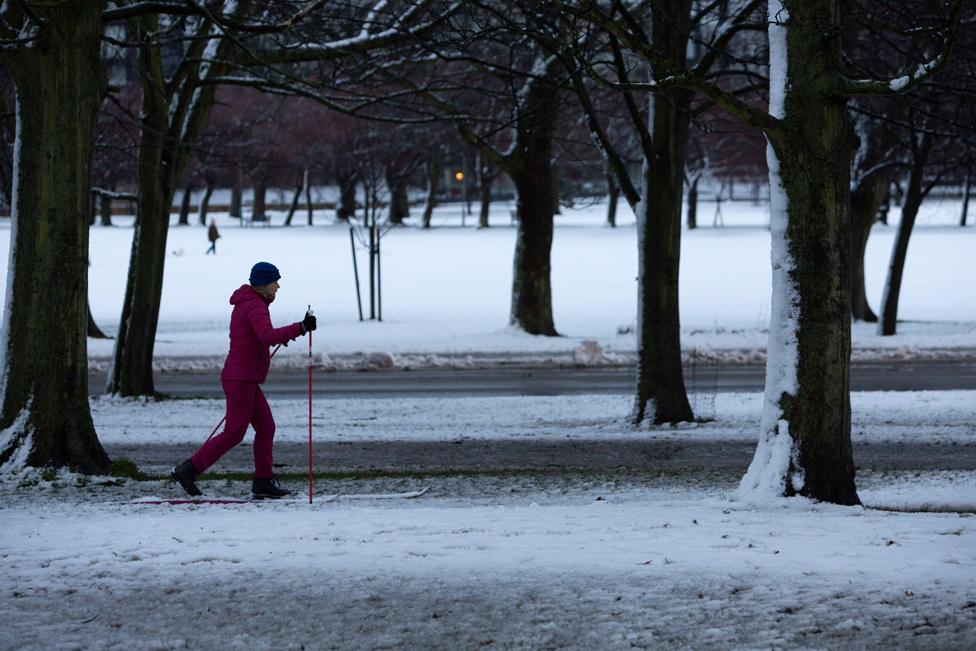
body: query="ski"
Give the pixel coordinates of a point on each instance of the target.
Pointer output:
(407, 495)
(334, 497)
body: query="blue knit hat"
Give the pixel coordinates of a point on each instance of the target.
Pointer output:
(264, 273)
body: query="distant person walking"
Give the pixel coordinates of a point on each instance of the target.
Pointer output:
(213, 235)
(246, 367)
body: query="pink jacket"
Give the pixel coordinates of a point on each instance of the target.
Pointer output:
(251, 334)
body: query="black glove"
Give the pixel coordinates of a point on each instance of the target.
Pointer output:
(308, 323)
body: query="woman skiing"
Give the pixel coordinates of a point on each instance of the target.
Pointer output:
(251, 334)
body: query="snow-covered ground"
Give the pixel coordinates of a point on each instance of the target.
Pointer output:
(588, 560)
(446, 292)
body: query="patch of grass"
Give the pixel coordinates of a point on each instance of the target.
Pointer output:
(49, 474)
(123, 467)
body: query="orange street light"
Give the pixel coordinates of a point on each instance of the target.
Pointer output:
(459, 176)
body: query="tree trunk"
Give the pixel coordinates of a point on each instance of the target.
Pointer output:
(294, 200)
(105, 207)
(966, 191)
(660, 377)
(535, 184)
(308, 196)
(185, 206)
(258, 204)
(399, 208)
(805, 435)
(888, 324)
(485, 179)
(470, 178)
(613, 194)
(866, 199)
(433, 179)
(205, 203)
(346, 209)
(60, 83)
(131, 372)
(693, 203)
(531, 283)
(237, 196)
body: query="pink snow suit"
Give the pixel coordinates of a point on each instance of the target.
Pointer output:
(246, 367)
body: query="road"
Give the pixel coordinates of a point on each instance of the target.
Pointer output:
(604, 456)
(521, 381)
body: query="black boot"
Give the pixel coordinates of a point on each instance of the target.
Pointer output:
(186, 474)
(268, 488)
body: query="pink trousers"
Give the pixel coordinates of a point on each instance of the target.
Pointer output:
(246, 405)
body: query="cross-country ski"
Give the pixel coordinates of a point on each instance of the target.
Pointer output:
(333, 497)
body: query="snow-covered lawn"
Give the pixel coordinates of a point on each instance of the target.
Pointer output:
(447, 290)
(589, 570)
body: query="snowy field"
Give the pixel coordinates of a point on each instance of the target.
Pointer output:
(446, 292)
(559, 558)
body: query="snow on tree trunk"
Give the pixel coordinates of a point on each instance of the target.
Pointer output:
(805, 446)
(45, 418)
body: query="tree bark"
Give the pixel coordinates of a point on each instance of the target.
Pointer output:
(60, 84)
(693, 203)
(433, 181)
(258, 204)
(346, 209)
(131, 372)
(888, 324)
(485, 179)
(237, 196)
(805, 441)
(184, 219)
(399, 208)
(205, 203)
(294, 200)
(105, 208)
(866, 199)
(308, 196)
(613, 194)
(535, 183)
(171, 118)
(660, 377)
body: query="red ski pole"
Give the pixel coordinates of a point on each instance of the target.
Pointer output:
(310, 409)
(225, 415)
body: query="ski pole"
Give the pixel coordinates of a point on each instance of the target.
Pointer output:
(225, 415)
(309, 313)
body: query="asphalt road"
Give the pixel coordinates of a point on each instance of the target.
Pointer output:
(516, 381)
